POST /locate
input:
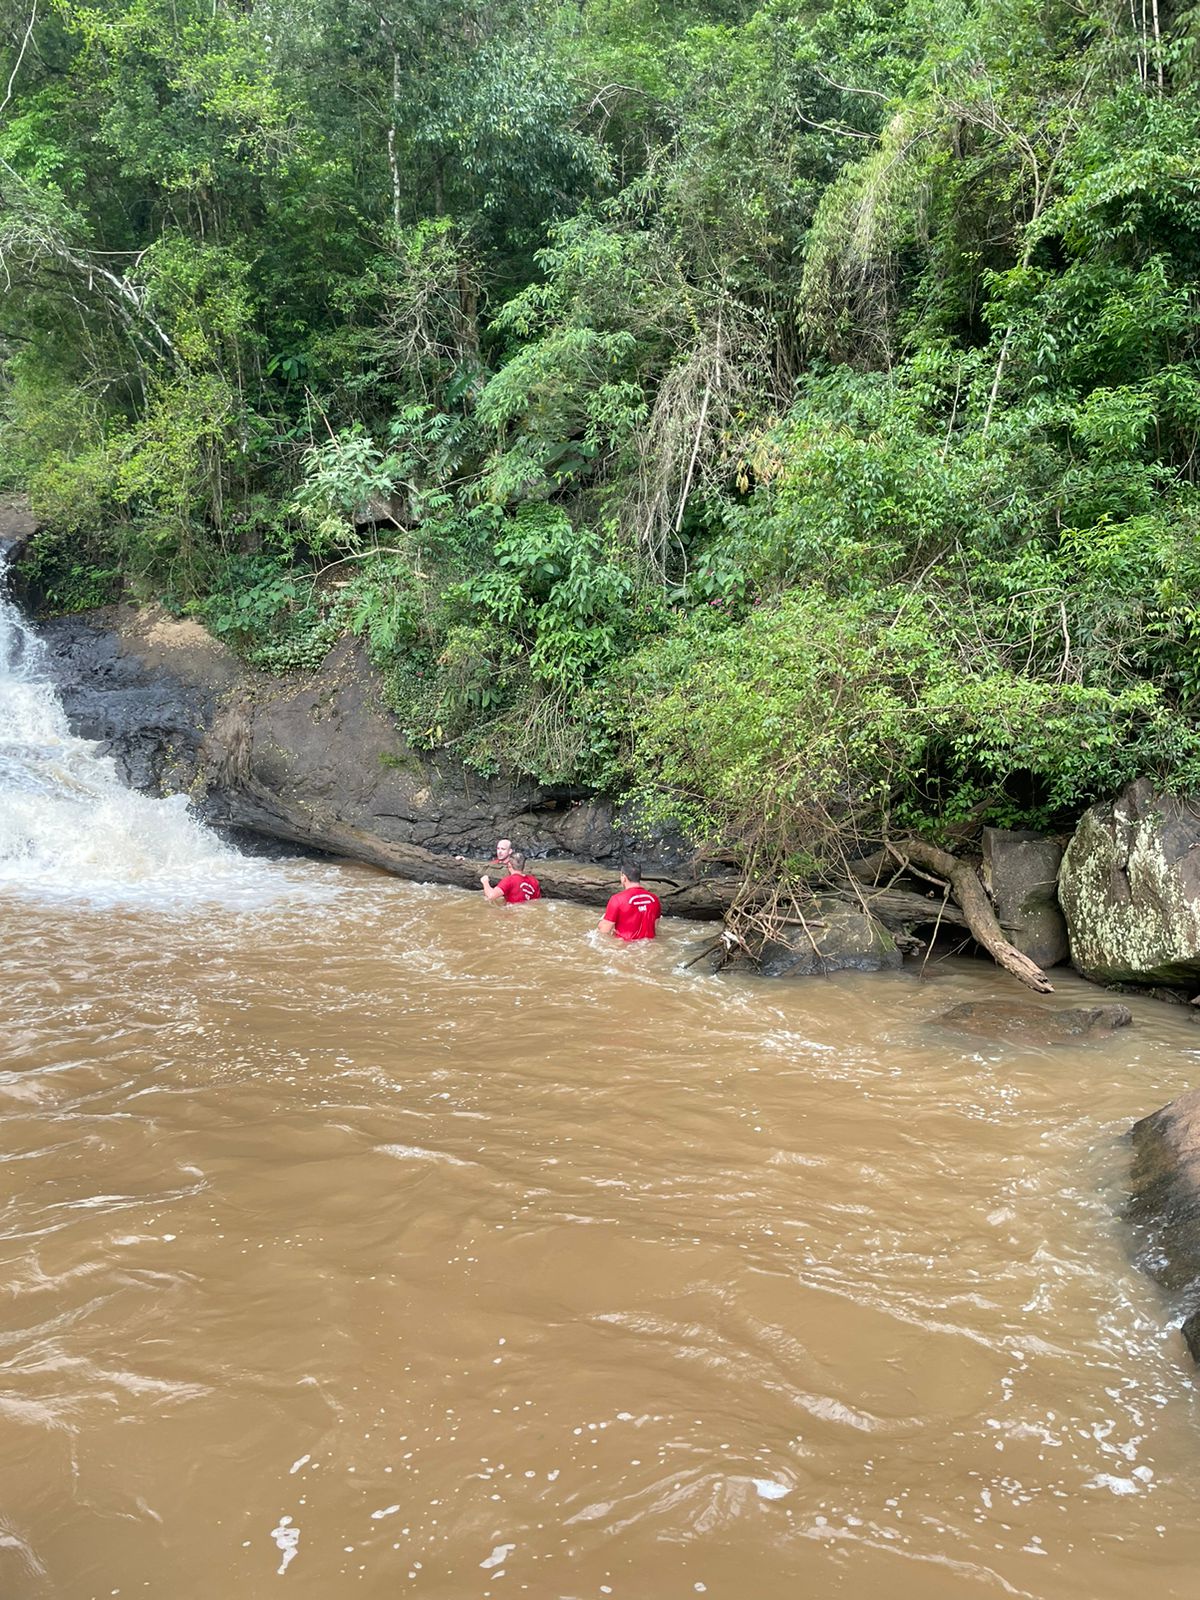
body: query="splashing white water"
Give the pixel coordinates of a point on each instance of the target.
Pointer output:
(69, 826)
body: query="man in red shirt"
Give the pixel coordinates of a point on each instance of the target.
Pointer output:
(517, 888)
(632, 913)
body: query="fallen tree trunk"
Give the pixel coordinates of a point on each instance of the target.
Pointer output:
(972, 899)
(904, 908)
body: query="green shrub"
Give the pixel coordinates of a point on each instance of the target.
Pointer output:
(65, 572)
(820, 723)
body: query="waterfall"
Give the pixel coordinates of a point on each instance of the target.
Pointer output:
(68, 826)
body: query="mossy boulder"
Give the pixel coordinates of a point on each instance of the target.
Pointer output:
(1130, 888)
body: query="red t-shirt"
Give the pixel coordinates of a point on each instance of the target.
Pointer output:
(519, 887)
(633, 913)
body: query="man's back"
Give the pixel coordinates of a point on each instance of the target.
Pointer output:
(520, 887)
(633, 913)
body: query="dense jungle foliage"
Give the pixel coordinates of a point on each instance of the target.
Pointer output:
(787, 415)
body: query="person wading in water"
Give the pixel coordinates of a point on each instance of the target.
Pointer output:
(517, 888)
(503, 856)
(632, 913)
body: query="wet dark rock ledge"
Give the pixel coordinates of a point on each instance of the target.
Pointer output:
(1164, 1205)
(316, 760)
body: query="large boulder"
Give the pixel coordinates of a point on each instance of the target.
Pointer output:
(1164, 1204)
(1130, 887)
(1020, 872)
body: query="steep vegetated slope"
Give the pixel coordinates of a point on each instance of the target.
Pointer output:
(786, 415)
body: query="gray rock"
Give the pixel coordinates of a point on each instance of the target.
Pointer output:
(17, 525)
(383, 511)
(1020, 1022)
(1020, 872)
(143, 686)
(845, 938)
(1130, 887)
(1164, 1204)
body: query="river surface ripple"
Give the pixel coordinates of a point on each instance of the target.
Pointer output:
(372, 1240)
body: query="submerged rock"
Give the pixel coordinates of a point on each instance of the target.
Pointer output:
(1164, 1204)
(1021, 1022)
(1130, 888)
(1020, 872)
(841, 938)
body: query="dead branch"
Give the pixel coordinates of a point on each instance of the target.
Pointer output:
(702, 413)
(971, 896)
(35, 241)
(845, 88)
(904, 908)
(29, 33)
(722, 943)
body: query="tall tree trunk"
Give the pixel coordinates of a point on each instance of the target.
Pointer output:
(393, 163)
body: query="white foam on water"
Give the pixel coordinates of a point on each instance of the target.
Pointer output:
(287, 1542)
(69, 827)
(500, 1553)
(416, 1152)
(1114, 1485)
(769, 1489)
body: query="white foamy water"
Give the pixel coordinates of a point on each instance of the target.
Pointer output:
(68, 826)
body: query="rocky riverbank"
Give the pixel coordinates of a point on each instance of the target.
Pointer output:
(316, 760)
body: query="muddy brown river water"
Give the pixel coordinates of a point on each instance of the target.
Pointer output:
(359, 1238)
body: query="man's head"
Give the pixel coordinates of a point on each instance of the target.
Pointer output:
(503, 849)
(516, 860)
(631, 873)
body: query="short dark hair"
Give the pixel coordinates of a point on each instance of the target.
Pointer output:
(631, 869)
(517, 860)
